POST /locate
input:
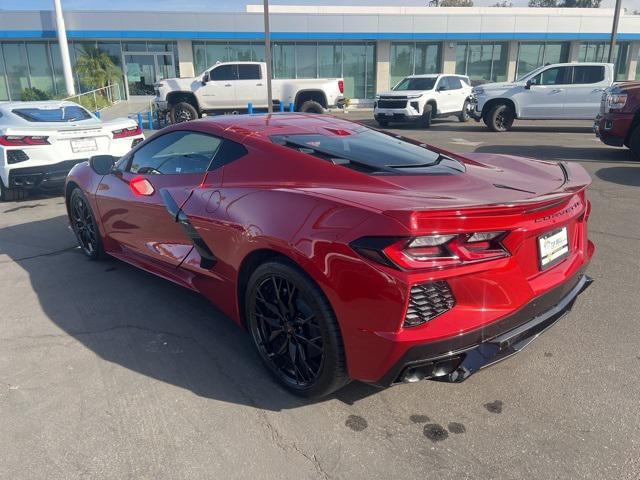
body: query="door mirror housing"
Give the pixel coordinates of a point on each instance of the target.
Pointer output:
(102, 164)
(527, 85)
(441, 88)
(205, 78)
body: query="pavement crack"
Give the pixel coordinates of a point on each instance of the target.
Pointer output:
(611, 234)
(39, 255)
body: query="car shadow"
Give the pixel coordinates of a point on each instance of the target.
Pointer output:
(559, 152)
(629, 176)
(138, 321)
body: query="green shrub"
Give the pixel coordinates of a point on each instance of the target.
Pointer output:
(32, 94)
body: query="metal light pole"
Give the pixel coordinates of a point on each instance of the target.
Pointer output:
(64, 49)
(614, 31)
(267, 55)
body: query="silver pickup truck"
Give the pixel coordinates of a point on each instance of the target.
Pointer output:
(231, 86)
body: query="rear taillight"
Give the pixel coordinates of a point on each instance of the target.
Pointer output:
(127, 132)
(341, 86)
(433, 251)
(23, 140)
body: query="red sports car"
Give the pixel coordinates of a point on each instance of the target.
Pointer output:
(347, 252)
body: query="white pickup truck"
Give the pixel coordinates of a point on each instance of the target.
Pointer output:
(421, 98)
(231, 86)
(567, 91)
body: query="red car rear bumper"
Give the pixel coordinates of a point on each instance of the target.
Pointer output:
(509, 301)
(455, 359)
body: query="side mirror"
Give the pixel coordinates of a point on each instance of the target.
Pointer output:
(102, 164)
(527, 85)
(205, 78)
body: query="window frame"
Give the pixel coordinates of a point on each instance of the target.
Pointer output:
(568, 81)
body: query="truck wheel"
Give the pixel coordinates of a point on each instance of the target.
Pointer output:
(499, 118)
(464, 114)
(183, 112)
(11, 194)
(425, 119)
(383, 122)
(634, 143)
(311, 106)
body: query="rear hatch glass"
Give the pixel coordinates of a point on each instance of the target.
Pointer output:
(69, 113)
(370, 151)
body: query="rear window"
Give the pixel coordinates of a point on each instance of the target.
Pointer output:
(370, 151)
(71, 113)
(588, 74)
(416, 84)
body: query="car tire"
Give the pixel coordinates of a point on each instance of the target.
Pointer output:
(427, 114)
(298, 337)
(11, 194)
(311, 106)
(183, 112)
(464, 114)
(634, 143)
(382, 123)
(84, 225)
(499, 118)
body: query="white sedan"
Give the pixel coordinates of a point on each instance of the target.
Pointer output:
(41, 141)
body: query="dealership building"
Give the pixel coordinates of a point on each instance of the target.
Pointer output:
(371, 47)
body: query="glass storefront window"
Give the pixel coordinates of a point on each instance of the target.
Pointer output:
(4, 90)
(484, 62)
(306, 60)
(40, 67)
(599, 52)
(427, 58)
(283, 60)
(401, 61)
(534, 55)
(239, 52)
(329, 60)
(409, 58)
(15, 55)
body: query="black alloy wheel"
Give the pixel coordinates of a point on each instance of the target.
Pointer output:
(295, 331)
(183, 112)
(84, 225)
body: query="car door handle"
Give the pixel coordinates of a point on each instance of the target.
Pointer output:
(557, 90)
(597, 90)
(258, 84)
(227, 85)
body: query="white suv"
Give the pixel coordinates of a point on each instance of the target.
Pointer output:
(569, 91)
(420, 98)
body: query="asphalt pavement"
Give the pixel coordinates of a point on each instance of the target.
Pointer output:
(107, 372)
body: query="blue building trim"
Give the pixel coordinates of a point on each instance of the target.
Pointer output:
(344, 36)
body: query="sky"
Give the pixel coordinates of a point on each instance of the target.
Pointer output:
(233, 5)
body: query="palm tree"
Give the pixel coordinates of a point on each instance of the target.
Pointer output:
(96, 67)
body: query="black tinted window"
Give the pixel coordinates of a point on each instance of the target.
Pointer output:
(588, 74)
(553, 76)
(248, 72)
(227, 153)
(416, 84)
(175, 153)
(224, 72)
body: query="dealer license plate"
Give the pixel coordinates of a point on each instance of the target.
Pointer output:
(83, 145)
(553, 247)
